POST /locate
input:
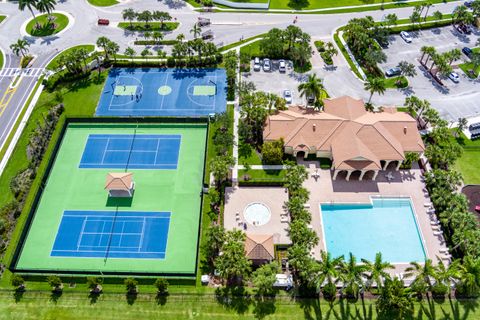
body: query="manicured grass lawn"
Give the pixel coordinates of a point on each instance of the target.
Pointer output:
(115, 306)
(47, 28)
(54, 63)
(247, 154)
(231, 45)
(262, 175)
(253, 49)
(103, 3)
(469, 162)
(1, 59)
(152, 26)
(319, 4)
(2, 18)
(392, 82)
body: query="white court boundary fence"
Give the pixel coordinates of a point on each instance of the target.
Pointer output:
(244, 5)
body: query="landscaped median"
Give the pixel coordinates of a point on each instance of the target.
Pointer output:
(103, 3)
(54, 64)
(469, 67)
(151, 26)
(47, 24)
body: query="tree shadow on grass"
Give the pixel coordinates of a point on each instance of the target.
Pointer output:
(131, 297)
(93, 296)
(161, 298)
(233, 298)
(311, 308)
(55, 295)
(264, 307)
(460, 308)
(18, 295)
(298, 4)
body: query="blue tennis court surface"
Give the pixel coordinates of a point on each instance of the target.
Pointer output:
(140, 151)
(110, 234)
(163, 92)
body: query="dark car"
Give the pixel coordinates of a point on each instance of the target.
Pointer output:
(467, 51)
(392, 72)
(464, 28)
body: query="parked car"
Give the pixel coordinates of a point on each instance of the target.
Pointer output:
(256, 64)
(454, 77)
(103, 22)
(287, 95)
(467, 51)
(392, 72)
(267, 65)
(406, 36)
(282, 66)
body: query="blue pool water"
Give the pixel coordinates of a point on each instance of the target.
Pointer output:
(387, 226)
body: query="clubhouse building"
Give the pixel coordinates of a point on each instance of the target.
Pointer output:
(353, 138)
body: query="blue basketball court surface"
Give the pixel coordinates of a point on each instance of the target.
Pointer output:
(119, 151)
(163, 92)
(111, 234)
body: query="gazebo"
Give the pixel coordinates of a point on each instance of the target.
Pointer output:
(120, 184)
(259, 248)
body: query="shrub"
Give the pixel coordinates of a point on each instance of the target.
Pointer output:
(17, 281)
(94, 283)
(162, 286)
(55, 282)
(272, 152)
(439, 290)
(131, 285)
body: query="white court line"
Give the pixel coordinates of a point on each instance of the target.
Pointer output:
(156, 152)
(95, 251)
(140, 244)
(105, 150)
(81, 233)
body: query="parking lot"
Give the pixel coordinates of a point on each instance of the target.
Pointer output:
(274, 81)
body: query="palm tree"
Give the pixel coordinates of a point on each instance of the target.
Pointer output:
(328, 269)
(157, 36)
(446, 274)
(130, 52)
(375, 85)
(423, 274)
(196, 30)
(453, 55)
(462, 125)
(469, 272)
(20, 47)
(113, 48)
(427, 5)
(145, 16)
(145, 52)
(30, 5)
(377, 270)
(370, 107)
(312, 89)
(102, 42)
(46, 6)
(180, 37)
(130, 15)
(352, 275)
(407, 69)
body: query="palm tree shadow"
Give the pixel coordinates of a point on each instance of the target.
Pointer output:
(234, 298)
(263, 308)
(18, 295)
(429, 310)
(309, 305)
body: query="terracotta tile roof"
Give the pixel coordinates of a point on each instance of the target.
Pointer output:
(259, 247)
(118, 181)
(347, 130)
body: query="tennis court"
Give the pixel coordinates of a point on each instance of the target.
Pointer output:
(163, 92)
(137, 151)
(112, 234)
(78, 226)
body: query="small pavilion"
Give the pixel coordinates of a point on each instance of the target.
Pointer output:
(120, 184)
(259, 248)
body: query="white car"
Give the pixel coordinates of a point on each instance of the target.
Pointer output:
(406, 36)
(267, 66)
(282, 66)
(454, 77)
(256, 64)
(287, 95)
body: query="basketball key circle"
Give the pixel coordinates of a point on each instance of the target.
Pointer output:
(164, 90)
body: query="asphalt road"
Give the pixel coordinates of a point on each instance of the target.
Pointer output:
(227, 27)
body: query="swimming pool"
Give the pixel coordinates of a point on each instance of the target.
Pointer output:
(385, 225)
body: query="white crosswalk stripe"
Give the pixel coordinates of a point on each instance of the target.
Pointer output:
(29, 72)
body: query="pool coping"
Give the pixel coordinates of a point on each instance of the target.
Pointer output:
(372, 197)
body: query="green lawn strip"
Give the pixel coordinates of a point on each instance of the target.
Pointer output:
(20, 117)
(1, 59)
(40, 305)
(253, 49)
(54, 63)
(46, 29)
(319, 4)
(103, 3)
(152, 26)
(236, 44)
(81, 100)
(260, 175)
(396, 82)
(467, 68)
(352, 66)
(2, 18)
(194, 3)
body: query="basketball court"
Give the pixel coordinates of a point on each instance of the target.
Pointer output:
(163, 92)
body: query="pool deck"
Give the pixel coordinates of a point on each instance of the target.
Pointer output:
(406, 183)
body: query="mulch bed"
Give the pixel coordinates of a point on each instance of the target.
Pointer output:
(472, 192)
